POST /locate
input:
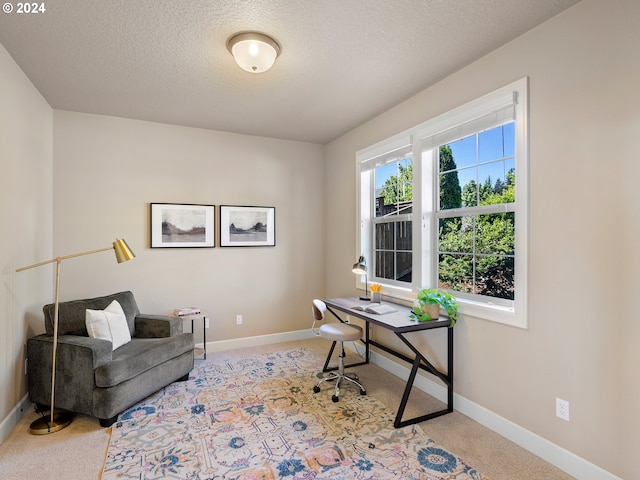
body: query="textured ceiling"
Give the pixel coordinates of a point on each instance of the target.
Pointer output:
(342, 61)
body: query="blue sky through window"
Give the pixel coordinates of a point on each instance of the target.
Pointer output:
(489, 154)
(385, 172)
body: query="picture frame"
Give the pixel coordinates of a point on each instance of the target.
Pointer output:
(179, 225)
(244, 226)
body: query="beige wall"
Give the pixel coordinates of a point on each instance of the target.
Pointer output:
(26, 123)
(582, 340)
(108, 170)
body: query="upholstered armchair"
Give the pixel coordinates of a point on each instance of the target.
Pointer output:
(93, 378)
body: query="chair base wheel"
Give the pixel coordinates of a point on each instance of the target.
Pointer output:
(316, 389)
(363, 392)
(334, 398)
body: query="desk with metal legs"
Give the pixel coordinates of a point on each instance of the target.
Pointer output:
(400, 324)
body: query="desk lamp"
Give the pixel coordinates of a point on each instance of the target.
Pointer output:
(360, 268)
(58, 421)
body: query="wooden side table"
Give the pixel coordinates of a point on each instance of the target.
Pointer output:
(198, 316)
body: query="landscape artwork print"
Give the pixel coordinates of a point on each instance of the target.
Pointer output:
(247, 226)
(179, 225)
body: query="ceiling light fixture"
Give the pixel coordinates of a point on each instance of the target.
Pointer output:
(253, 51)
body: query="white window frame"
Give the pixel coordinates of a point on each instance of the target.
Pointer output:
(447, 126)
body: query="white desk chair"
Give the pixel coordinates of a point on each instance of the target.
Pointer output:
(340, 333)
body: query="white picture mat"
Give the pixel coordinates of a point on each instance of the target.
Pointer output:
(184, 217)
(246, 218)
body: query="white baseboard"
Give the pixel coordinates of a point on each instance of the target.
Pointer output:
(11, 420)
(548, 451)
(258, 340)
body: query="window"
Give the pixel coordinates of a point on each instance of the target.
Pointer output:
(392, 221)
(445, 205)
(476, 219)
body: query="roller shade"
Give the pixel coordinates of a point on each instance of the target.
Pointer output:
(383, 154)
(501, 110)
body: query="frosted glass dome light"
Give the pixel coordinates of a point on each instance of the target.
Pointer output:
(253, 51)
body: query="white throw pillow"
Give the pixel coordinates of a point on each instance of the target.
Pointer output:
(109, 324)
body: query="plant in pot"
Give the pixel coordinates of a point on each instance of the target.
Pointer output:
(430, 300)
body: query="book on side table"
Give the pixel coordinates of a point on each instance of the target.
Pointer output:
(183, 312)
(376, 308)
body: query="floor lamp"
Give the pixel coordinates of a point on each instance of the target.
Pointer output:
(58, 421)
(360, 268)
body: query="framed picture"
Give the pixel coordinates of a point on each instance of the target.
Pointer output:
(247, 226)
(175, 225)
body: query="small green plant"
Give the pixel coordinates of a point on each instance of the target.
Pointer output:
(434, 296)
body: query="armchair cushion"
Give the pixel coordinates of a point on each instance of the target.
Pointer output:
(138, 356)
(157, 326)
(71, 314)
(109, 324)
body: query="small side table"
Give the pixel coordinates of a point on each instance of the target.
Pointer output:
(198, 316)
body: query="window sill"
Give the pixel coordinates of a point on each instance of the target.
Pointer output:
(466, 307)
(491, 312)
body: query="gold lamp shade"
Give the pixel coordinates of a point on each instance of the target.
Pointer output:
(123, 252)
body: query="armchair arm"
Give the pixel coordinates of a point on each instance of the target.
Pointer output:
(77, 358)
(157, 326)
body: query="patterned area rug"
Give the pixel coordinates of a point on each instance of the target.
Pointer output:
(257, 418)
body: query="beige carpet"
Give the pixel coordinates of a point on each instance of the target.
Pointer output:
(78, 452)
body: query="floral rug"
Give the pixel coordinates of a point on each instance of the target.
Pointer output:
(258, 418)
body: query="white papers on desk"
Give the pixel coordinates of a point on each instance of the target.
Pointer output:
(376, 308)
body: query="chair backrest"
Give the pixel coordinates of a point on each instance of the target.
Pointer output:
(72, 314)
(318, 308)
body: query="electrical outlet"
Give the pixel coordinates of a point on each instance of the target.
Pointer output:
(238, 319)
(562, 409)
(206, 322)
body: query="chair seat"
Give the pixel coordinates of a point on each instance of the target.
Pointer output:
(340, 332)
(139, 355)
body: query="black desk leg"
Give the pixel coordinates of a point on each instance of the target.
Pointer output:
(405, 396)
(326, 363)
(421, 362)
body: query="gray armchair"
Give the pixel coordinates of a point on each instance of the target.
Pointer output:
(93, 379)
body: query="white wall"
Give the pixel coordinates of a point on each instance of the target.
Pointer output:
(108, 170)
(26, 123)
(581, 344)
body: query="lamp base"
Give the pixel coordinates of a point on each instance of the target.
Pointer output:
(365, 297)
(44, 425)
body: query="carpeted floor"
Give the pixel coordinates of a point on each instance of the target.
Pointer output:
(257, 418)
(79, 451)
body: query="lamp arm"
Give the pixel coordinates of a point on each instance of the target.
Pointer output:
(86, 253)
(59, 259)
